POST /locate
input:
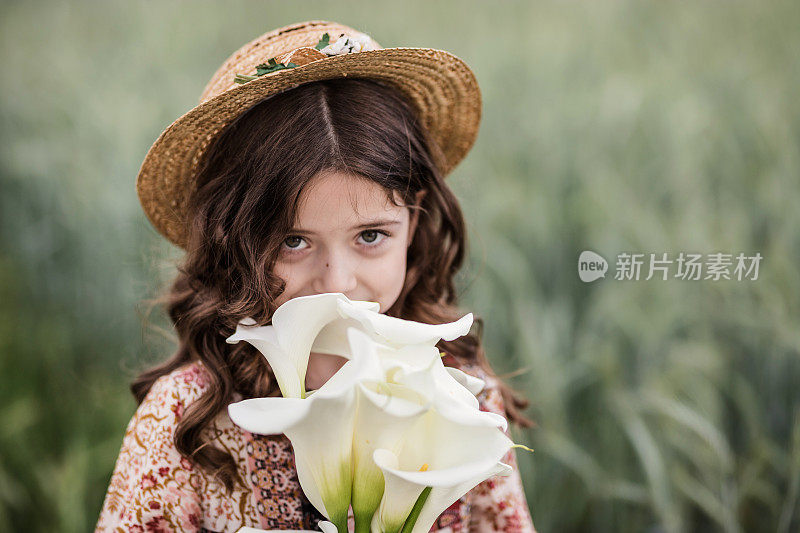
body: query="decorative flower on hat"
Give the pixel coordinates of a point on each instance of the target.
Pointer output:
(345, 44)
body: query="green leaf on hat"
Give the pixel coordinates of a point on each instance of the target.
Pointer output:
(263, 68)
(272, 66)
(325, 41)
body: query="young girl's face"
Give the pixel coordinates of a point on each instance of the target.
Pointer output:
(348, 237)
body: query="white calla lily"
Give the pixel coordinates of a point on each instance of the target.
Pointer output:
(404, 487)
(287, 342)
(320, 428)
(319, 323)
(414, 382)
(433, 455)
(322, 448)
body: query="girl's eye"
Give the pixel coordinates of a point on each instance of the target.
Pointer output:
(372, 237)
(295, 242)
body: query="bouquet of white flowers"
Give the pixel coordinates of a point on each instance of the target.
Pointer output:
(394, 433)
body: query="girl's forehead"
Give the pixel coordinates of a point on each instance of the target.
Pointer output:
(339, 200)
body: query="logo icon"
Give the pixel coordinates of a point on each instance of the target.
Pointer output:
(591, 266)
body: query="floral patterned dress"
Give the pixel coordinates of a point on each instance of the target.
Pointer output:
(154, 488)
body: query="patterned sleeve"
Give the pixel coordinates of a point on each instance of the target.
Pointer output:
(499, 504)
(151, 488)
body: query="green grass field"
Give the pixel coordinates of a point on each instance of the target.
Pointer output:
(650, 127)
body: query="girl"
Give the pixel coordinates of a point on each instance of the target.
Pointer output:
(322, 172)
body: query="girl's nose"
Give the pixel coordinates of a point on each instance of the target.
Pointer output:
(335, 274)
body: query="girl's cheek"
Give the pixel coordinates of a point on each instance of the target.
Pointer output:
(292, 274)
(385, 278)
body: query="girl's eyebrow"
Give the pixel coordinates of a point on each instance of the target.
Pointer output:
(372, 224)
(380, 222)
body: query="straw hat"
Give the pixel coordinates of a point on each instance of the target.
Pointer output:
(440, 86)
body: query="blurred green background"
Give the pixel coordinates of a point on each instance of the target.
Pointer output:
(610, 126)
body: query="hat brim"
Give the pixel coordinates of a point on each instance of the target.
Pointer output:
(441, 87)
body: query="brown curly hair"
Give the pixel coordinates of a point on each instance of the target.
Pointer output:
(242, 208)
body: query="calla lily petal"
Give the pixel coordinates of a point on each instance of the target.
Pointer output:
(471, 383)
(389, 399)
(362, 366)
(326, 527)
(440, 499)
(403, 489)
(407, 358)
(297, 323)
(265, 340)
(438, 380)
(433, 455)
(321, 431)
(287, 342)
(446, 394)
(269, 416)
(438, 442)
(332, 339)
(468, 417)
(404, 332)
(399, 494)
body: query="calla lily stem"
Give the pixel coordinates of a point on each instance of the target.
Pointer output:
(362, 525)
(341, 525)
(416, 510)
